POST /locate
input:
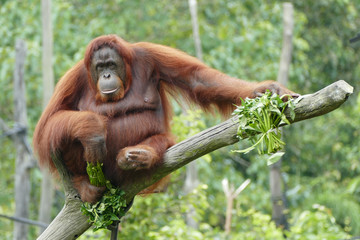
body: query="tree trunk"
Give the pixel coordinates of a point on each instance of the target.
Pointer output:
(47, 189)
(191, 182)
(195, 27)
(286, 52)
(278, 198)
(192, 179)
(279, 208)
(23, 159)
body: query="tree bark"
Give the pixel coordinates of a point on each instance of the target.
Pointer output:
(70, 223)
(286, 51)
(278, 197)
(47, 189)
(191, 182)
(195, 27)
(23, 159)
(192, 178)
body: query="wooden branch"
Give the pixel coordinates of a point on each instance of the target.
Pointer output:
(70, 223)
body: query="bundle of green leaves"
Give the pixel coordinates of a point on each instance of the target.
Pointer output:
(259, 120)
(111, 206)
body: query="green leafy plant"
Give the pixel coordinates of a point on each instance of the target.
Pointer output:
(112, 204)
(96, 175)
(259, 119)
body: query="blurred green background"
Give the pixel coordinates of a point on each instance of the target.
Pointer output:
(243, 39)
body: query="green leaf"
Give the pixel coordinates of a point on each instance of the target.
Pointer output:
(274, 158)
(95, 173)
(285, 120)
(114, 217)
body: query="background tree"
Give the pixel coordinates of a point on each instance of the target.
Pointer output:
(192, 178)
(47, 188)
(277, 190)
(23, 158)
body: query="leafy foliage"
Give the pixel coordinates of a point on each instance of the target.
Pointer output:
(317, 224)
(96, 175)
(110, 207)
(260, 118)
(344, 208)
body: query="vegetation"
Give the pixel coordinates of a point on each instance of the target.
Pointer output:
(241, 38)
(107, 210)
(263, 115)
(110, 207)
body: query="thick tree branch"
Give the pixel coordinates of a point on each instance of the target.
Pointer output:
(70, 223)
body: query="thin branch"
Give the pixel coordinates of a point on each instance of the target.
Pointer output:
(231, 194)
(25, 220)
(70, 223)
(241, 187)
(225, 186)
